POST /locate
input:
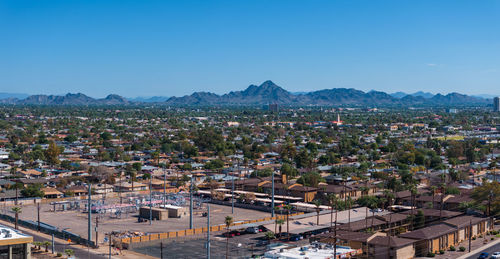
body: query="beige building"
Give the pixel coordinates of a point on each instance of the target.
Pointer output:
(14, 244)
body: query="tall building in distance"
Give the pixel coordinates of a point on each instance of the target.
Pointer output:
(496, 104)
(273, 107)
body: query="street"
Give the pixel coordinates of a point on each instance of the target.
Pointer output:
(60, 246)
(490, 250)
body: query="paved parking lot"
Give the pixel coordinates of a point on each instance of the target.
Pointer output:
(239, 247)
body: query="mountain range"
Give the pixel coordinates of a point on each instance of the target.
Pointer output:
(266, 93)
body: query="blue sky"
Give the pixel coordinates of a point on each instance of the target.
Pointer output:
(146, 48)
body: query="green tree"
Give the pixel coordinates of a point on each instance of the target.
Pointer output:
(489, 194)
(33, 190)
(52, 153)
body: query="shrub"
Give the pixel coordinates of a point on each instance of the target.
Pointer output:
(59, 254)
(474, 238)
(462, 249)
(492, 238)
(431, 254)
(441, 251)
(452, 248)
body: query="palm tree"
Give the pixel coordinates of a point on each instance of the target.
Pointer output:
(228, 220)
(69, 252)
(37, 244)
(288, 208)
(443, 186)
(276, 208)
(132, 175)
(317, 203)
(279, 222)
(413, 191)
(46, 244)
(332, 201)
(348, 207)
(389, 196)
(372, 204)
(16, 210)
(433, 193)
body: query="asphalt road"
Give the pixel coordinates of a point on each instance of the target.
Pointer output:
(490, 250)
(60, 246)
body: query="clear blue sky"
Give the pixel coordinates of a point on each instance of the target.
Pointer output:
(146, 48)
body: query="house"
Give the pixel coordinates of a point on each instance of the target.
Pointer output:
(432, 238)
(450, 232)
(127, 187)
(30, 173)
(463, 223)
(306, 193)
(391, 247)
(373, 245)
(103, 188)
(75, 190)
(51, 193)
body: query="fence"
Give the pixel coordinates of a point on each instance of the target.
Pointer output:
(188, 232)
(49, 229)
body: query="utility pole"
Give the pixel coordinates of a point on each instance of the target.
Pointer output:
(191, 204)
(96, 233)
(161, 250)
(109, 236)
(389, 237)
(208, 231)
(164, 187)
(150, 200)
(470, 234)
(120, 193)
(335, 231)
(17, 195)
(272, 194)
(53, 245)
(38, 214)
(232, 192)
(89, 207)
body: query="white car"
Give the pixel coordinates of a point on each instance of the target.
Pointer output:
(495, 255)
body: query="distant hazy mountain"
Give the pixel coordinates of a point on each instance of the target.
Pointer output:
(486, 96)
(68, 99)
(426, 95)
(266, 93)
(152, 99)
(13, 95)
(399, 94)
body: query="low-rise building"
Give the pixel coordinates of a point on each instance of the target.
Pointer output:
(14, 244)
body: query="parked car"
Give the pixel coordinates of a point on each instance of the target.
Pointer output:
(252, 230)
(483, 255)
(495, 255)
(231, 233)
(295, 238)
(263, 243)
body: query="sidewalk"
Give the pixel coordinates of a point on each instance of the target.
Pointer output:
(476, 246)
(101, 251)
(490, 244)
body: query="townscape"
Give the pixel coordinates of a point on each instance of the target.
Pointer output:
(279, 181)
(222, 129)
